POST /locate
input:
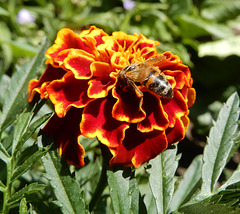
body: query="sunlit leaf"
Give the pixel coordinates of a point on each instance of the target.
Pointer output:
(235, 178)
(190, 183)
(64, 184)
(118, 182)
(16, 96)
(220, 48)
(220, 10)
(161, 178)
(193, 27)
(219, 144)
(123, 191)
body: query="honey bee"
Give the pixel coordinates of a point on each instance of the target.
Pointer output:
(146, 74)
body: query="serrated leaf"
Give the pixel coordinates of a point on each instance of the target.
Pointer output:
(161, 178)
(22, 122)
(28, 189)
(19, 170)
(190, 183)
(209, 208)
(4, 154)
(124, 192)
(219, 144)
(64, 185)
(23, 206)
(16, 96)
(29, 131)
(235, 178)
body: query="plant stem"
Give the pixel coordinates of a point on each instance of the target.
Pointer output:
(7, 193)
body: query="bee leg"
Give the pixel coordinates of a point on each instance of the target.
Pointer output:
(137, 91)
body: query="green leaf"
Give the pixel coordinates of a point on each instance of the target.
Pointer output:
(16, 96)
(3, 12)
(124, 192)
(161, 178)
(220, 48)
(219, 144)
(23, 206)
(220, 10)
(22, 123)
(29, 131)
(192, 27)
(20, 49)
(4, 154)
(2, 187)
(235, 178)
(28, 189)
(64, 185)
(209, 208)
(6, 52)
(190, 183)
(19, 170)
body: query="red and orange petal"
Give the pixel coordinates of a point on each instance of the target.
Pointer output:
(66, 39)
(39, 86)
(138, 148)
(128, 106)
(156, 118)
(95, 33)
(66, 132)
(143, 42)
(97, 121)
(177, 133)
(124, 40)
(68, 92)
(79, 65)
(174, 108)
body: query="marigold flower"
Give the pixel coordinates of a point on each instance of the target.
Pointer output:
(82, 81)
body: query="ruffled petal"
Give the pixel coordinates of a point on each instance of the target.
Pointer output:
(128, 107)
(68, 92)
(97, 121)
(138, 148)
(39, 86)
(79, 65)
(177, 133)
(66, 39)
(66, 132)
(156, 118)
(94, 33)
(174, 108)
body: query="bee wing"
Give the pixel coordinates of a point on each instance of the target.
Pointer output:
(155, 60)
